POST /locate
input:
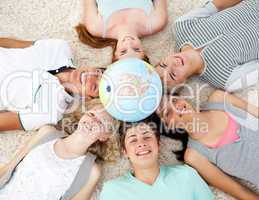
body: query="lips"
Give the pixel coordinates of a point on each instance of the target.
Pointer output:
(143, 153)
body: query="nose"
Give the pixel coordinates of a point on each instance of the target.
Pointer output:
(141, 143)
(181, 107)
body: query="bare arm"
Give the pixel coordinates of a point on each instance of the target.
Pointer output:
(13, 43)
(91, 18)
(9, 121)
(87, 191)
(221, 96)
(208, 9)
(216, 178)
(224, 4)
(160, 15)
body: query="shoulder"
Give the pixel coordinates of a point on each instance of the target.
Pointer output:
(118, 183)
(180, 174)
(182, 170)
(191, 156)
(115, 187)
(217, 96)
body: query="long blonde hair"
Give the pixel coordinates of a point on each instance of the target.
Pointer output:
(105, 151)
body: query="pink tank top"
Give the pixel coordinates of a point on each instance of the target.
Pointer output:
(230, 134)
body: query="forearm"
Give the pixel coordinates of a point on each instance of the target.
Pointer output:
(207, 10)
(230, 186)
(90, 10)
(243, 105)
(160, 5)
(159, 17)
(217, 178)
(9, 121)
(224, 4)
(224, 97)
(13, 43)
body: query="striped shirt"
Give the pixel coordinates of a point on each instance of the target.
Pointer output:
(228, 39)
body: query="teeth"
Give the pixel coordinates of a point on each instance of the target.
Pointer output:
(143, 153)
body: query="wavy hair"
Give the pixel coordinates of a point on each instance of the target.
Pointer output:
(105, 151)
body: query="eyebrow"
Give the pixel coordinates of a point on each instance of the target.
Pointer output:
(145, 132)
(131, 136)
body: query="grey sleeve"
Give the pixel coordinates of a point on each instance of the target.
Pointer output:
(81, 177)
(210, 154)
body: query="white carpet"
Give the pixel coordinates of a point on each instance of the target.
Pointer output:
(32, 19)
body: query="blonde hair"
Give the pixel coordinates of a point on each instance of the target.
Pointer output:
(105, 151)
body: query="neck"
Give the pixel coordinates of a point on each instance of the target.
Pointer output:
(147, 175)
(197, 66)
(72, 146)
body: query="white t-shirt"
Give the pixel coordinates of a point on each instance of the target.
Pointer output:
(26, 86)
(42, 175)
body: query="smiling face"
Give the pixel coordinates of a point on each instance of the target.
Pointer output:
(129, 47)
(176, 68)
(173, 111)
(96, 124)
(85, 81)
(141, 146)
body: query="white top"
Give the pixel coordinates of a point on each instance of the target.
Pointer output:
(27, 88)
(42, 175)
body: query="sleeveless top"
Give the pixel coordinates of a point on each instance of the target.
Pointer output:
(43, 175)
(241, 157)
(229, 38)
(230, 134)
(107, 7)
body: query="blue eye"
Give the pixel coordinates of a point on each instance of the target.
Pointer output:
(108, 88)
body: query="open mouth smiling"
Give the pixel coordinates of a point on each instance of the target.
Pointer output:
(143, 153)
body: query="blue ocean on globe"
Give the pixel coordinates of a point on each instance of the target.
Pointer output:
(130, 90)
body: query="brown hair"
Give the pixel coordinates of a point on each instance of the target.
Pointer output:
(98, 42)
(105, 151)
(125, 126)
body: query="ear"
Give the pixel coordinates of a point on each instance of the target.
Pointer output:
(124, 152)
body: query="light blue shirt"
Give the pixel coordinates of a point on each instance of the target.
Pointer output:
(179, 182)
